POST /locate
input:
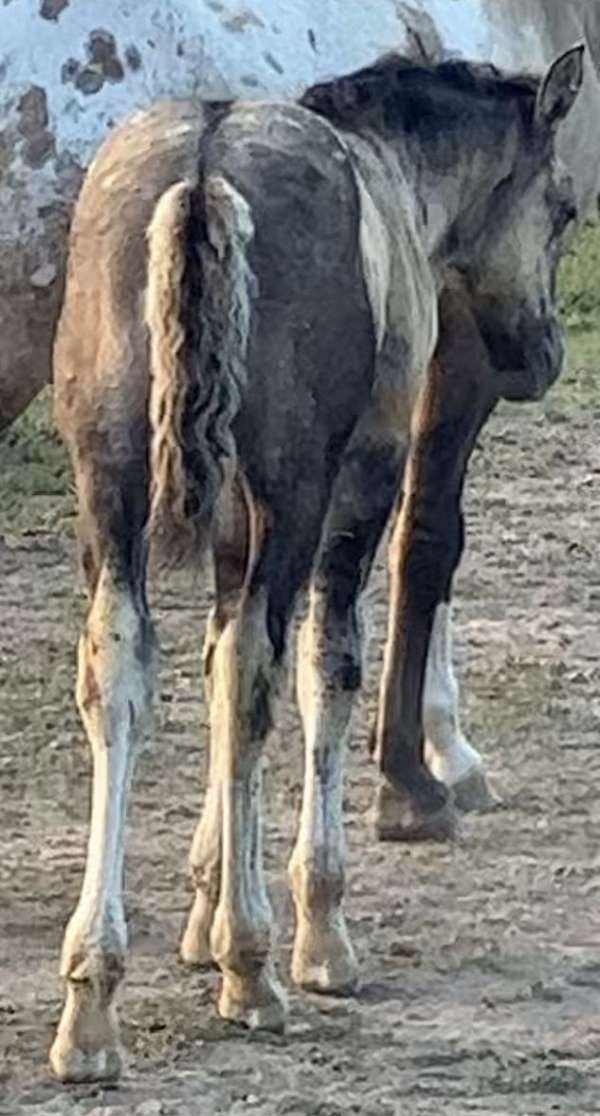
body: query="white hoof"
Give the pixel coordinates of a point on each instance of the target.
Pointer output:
(324, 960)
(86, 1047)
(70, 1064)
(452, 762)
(195, 943)
(258, 1002)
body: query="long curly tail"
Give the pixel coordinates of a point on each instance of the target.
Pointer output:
(198, 304)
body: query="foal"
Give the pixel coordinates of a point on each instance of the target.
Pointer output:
(255, 379)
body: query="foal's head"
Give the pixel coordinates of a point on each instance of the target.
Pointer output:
(480, 151)
(509, 254)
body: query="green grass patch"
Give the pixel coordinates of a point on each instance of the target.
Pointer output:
(578, 389)
(577, 392)
(579, 281)
(36, 488)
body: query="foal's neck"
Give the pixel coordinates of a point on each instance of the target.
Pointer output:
(453, 184)
(451, 178)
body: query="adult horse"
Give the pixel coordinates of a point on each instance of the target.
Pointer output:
(68, 71)
(293, 259)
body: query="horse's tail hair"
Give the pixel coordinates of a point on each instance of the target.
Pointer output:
(198, 301)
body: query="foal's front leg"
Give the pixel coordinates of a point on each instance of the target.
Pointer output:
(448, 754)
(113, 694)
(425, 549)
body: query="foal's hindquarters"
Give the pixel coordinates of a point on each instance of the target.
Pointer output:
(101, 394)
(304, 467)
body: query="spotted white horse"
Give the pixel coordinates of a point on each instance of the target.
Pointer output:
(68, 71)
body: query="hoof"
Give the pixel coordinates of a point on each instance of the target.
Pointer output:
(398, 817)
(72, 1064)
(258, 1002)
(324, 961)
(473, 793)
(86, 1047)
(194, 949)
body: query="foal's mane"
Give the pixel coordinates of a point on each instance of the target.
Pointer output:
(395, 84)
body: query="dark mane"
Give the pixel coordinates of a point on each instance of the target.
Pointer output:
(397, 86)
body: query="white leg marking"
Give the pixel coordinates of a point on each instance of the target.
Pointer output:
(113, 694)
(323, 958)
(448, 753)
(240, 939)
(205, 853)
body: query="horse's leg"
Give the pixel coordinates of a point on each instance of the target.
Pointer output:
(470, 396)
(231, 562)
(329, 677)
(246, 662)
(113, 694)
(425, 549)
(448, 754)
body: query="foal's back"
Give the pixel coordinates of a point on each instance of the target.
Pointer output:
(311, 349)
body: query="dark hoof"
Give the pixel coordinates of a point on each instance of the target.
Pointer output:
(473, 793)
(399, 817)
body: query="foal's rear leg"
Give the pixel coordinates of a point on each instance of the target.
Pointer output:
(231, 560)
(240, 938)
(113, 694)
(329, 677)
(246, 660)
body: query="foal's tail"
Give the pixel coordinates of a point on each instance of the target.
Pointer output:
(198, 314)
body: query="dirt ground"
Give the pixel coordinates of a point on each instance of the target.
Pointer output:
(480, 962)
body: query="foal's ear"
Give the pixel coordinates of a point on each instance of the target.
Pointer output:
(560, 86)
